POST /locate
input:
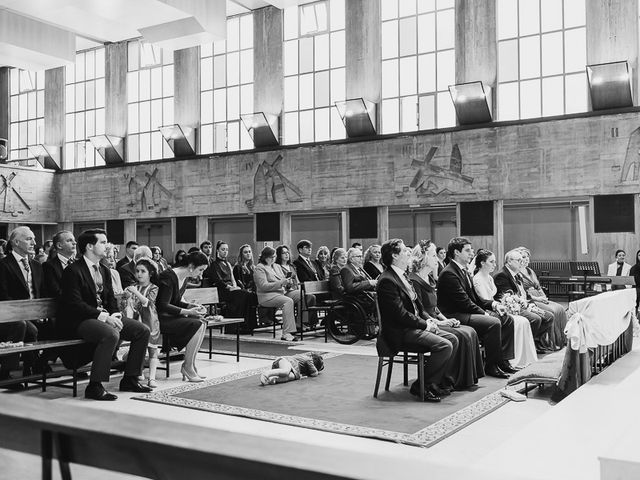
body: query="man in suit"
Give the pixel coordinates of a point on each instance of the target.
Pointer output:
(404, 322)
(207, 276)
(458, 299)
(20, 279)
(509, 279)
(89, 311)
(64, 247)
(619, 268)
(305, 267)
(130, 250)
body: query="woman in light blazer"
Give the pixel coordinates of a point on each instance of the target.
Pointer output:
(271, 285)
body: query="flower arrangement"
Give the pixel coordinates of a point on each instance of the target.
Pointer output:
(513, 303)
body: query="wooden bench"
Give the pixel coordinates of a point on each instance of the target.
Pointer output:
(317, 288)
(36, 309)
(209, 298)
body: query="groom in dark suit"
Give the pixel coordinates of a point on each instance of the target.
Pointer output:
(89, 311)
(404, 322)
(458, 299)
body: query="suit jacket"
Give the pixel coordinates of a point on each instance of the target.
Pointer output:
(372, 270)
(305, 272)
(354, 281)
(505, 282)
(336, 286)
(268, 281)
(78, 301)
(13, 286)
(613, 268)
(397, 312)
(456, 294)
(169, 300)
(123, 261)
(52, 270)
(127, 274)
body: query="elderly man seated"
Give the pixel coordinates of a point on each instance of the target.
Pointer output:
(356, 282)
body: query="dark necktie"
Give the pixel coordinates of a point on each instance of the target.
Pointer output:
(25, 264)
(619, 270)
(97, 278)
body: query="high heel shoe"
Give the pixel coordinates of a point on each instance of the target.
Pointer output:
(194, 378)
(152, 383)
(198, 373)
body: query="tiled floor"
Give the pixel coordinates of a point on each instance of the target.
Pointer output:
(531, 439)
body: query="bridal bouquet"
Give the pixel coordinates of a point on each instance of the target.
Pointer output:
(513, 303)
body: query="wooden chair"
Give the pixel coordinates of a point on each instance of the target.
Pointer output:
(387, 356)
(318, 288)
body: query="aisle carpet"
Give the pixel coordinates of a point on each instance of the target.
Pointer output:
(340, 400)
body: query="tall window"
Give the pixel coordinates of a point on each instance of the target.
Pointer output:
(418, 64)
(541, 58)
(314, 71)
(226, 88)
(150, 92)
(84, 100)
(27, 112)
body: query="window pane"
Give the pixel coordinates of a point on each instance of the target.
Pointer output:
(100, 63)
(446, 111)
(290, 133)
(389, 39)
(408, 75)
(337, 12)
(219, 71)
(290, 94)
(100, 121)
(100, 93)
(145, 147)
(529, 17)
(132, 87)
(408, 35)
(507, 19)
(133, 123)
(246, 99)
(508, 101)
(80, 131)
(220, 137)
(206, 73)
(426, 33)
(145, 116)
(338, 49)
(552, 96)
(219, 105)
(575, 58)
(321, 52)
(390, 116)
(446, 29)
(246, 31)
(552, 54)
(338, 85)
(156, 114)
(307, 126)
(290, 22)
(337, 126)
(80, 97)
(233, 103)
(90, 65)
(427, 110)
(406, 8)
(305, 56)
(306, 91)
(167, 81)
(322, 124)
(144, 77)
(389, 9)
(90, 95)
(576, 92)
(167, 111)
(233, 34)
(530, 99)
(291, 57)
(133, 148)
(530, 57)
(233, 68)
(156, 145)
(446, 64)
(206, 107)
(206, 139)
(233, 136)
(574, 13)
(408, 114)
(246, 66)
(390, 78)
(322, 90)
(551, 15)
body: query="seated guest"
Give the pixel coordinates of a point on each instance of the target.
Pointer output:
(619, 268)
(441, 252)
(271, 288)
(159, 259)
(243, 269)
(180, 255)
(466, 367)
(130, 249)
(181, 321)
(406, 326)
(509, 279)
(357, 283)
(372, 263)
(89, 311)
(61, 254)
(128, 271)
(532, 286)
(457, 299)
(288, 270)
(206, 247)
(305, 267)
(323, 261)
(109, 261)
(635, 273)
(524, 348)
(240, 302)
(3, 248)
(338, 262)
(21, 278)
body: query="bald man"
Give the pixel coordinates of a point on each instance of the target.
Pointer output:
(20, 279)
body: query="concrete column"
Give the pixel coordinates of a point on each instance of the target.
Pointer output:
(476, 46)
(116, 113)
(498, 228)
(54, 110)
(268, 70)
(285, 228)
(4, 107)
(612, 34)
(364, 51)
(130, 229)
(186, 79)
(202, 229)
(65, 226)
(383, 224)
(344, 229)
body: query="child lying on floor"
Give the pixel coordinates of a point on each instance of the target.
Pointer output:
(286, 369)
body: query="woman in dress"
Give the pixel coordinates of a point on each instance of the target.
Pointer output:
(323, 262)
(159, 259)
(142, 306)
(182, 321)
(180, 254)
(338, 261)
(372, 263)
(240, 302)
(287, 269)
(271, 287)
(466, 368)
(243, 270)
(531, 284)
(524, 346)
(109, 261)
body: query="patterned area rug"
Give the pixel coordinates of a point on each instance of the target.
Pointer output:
(250, 347)
(340, 400)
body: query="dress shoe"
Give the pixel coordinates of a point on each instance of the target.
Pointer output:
(97, 392)
(494, 371)
(289, 338)
(429, 394)
(507, 368)
(132, 384)
(440, 391)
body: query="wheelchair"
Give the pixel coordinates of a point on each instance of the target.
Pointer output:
(347, 322)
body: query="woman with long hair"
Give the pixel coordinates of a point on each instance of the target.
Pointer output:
(338, 261)
(322, 263)
(182, 321)
(288, 270)
(372, 263)
(243, 269)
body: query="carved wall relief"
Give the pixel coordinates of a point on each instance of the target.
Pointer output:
(147, 194)
(12, 201)
(270, 186)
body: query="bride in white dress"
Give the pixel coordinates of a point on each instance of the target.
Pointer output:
(524, 347)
